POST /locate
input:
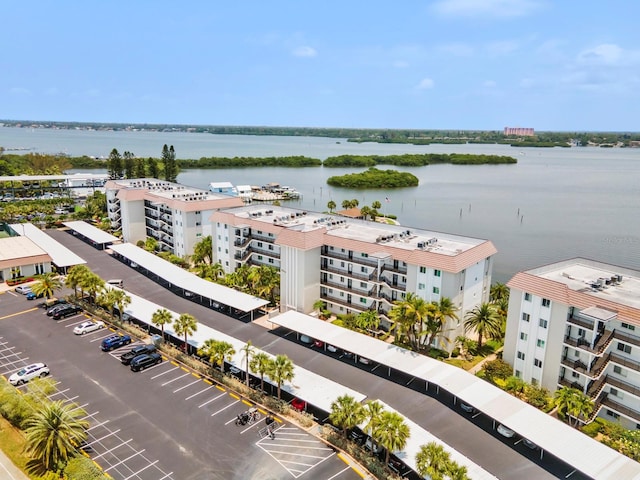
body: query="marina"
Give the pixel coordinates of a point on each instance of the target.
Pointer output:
(266, 193)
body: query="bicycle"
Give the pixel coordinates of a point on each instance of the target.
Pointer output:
(249, 417)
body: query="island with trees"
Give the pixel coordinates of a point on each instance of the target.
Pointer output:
(374, 178)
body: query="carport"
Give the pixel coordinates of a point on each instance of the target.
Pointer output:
(93, 235)
(190, 285)
(61, 256)
(555, 437)
(306, 385)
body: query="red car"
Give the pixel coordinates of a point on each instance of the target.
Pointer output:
(298, 404)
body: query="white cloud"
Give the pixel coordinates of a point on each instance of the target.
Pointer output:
(489, 84)
(486, 8)
(19, 91)
(426, 84)
(604, 54)
(304, 51)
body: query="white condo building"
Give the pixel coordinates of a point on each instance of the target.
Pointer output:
(577, 323)
(353, 265)
(175, 215)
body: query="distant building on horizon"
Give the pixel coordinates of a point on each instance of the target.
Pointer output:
(519, 131)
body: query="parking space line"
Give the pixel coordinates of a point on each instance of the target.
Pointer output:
(112, 449)
(107, 334)
(72, 324)
(15, 361)
(163, 373)
(97, 424)
(223, 409)
(18, 313)
(173, 380)
(9, 354)
(135, 474)
(339, 473)
(166, 476)
(211, 400)
(70, 399)
(186, 386)
(92, 415)
(198, 393)
(122, 461)
(102, 438)
(58, 392)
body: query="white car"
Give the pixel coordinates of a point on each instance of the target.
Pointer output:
(28, 373)
(87, 327)
(23, 289)
(505, 432)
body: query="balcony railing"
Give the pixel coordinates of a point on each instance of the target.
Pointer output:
(571, 384)
(241, 242)
(345, 287)
(621, 409)
(399, 269)
(264, 251)
(622, 385)
(395, 285)
(358, 275)
(581, 322)
(574, 364)
(596, 386)
(372, 262)
(632, 339)
(625, 362)
(355, 306)
(602, 342)
(263, 238)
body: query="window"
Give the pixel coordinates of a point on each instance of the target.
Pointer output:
(575, 374)
(523, 336)
(628, 327)
(619, 370)
(197, 224)
(436, 290)
(270, 247)
(525, 317)
(198, 234)
(342, 264)
(423, 269)
(613, 414)
(260, 244)
(615, 392)
(520, 355)
(624, 348)
(364, 255)
(363, 300)
(437, 273)
(527, 297)
(518, 373)
(363, 269)
(534, 381)
(271, 260)
(540, 343)
(537, 363)
(543, 323)
(421, 286)
(363, 284)
(546, 302)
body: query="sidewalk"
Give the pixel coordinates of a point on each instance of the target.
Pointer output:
(476, 368)
(8, 470)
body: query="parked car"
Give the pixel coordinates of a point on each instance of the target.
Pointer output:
(52, 302)
(505, 432)
(28, 373)
(467, 408)
(143, 361)
(318, 343)
(364, 361)
(23, 289)
(66, 311)
(357, 435)
(332, 349)
(126, 358)
(397, 466)
(306, 339)
(298, 404)
(372, 446)
(55, 308)
(33, 295)
(114, 341)
(88, 326)
(529, 444)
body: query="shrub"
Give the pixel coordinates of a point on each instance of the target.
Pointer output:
(592, 429)
(83, 468)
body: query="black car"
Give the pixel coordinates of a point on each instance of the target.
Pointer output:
(66, 311)
(55, 308)
(143, 361)
(126, 358)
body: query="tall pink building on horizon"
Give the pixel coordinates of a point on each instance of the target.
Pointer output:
(519, 131)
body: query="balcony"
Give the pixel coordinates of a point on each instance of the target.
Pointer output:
(571, 384)
(150, 213)
(243, 255)
(577, 365)
(601, 344)
(622, 385)
(358, 275)
(345, 287)
(354, 306)
(372, 262)
(596, 386)
(625, 362)
(632, 339)
(265, 251)
(399, 269)
(395, 285)
(262, 238)
(621, 409)
(581, 322)
(241, 242)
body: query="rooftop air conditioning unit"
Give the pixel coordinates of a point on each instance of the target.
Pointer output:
(421, 245)
(619, 278)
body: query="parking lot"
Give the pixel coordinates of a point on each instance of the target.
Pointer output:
(165, 422)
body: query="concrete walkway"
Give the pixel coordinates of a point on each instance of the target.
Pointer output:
(476, 368)
(8, 470)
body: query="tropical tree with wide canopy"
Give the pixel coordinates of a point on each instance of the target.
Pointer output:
(346, 413)
(260, 363)
(160, 318)
(186, 325)
(281, 370)
(485, 321)
(392, 433)
(47, 285)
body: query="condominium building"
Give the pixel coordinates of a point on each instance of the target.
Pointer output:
(519, 131)
(353, 265)
(175, 215)
(577, 323)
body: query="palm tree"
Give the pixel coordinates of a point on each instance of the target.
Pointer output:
(92, 283)
(151, 244)
(368, 320)
(185, 325)
(346, 413)
(160, 318)
(75, 278)
(365, 212)
(571, 402)
(47, 285)
(515, 385)
(120, 299)
(346, 204)
(281, 370)
(372, 414)
(485, 321)
(260, 363)
(318, 306)
(217, 352)
(498, 291)
(331, 205)
(53, 433)
(563, 398)
(248, 352)
(433, 461)
(106, 298)
(457, 472)
(202, 251)
(392, 433)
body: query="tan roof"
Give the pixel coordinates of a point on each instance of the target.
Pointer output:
(19, 251)
(560, 292)
(350, 212)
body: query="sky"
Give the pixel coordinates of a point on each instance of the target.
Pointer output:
(554, 65)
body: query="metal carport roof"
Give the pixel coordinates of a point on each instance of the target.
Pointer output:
(60, 255)
(566, 443)
(92, 233)
(306, 385)
(188, 281)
